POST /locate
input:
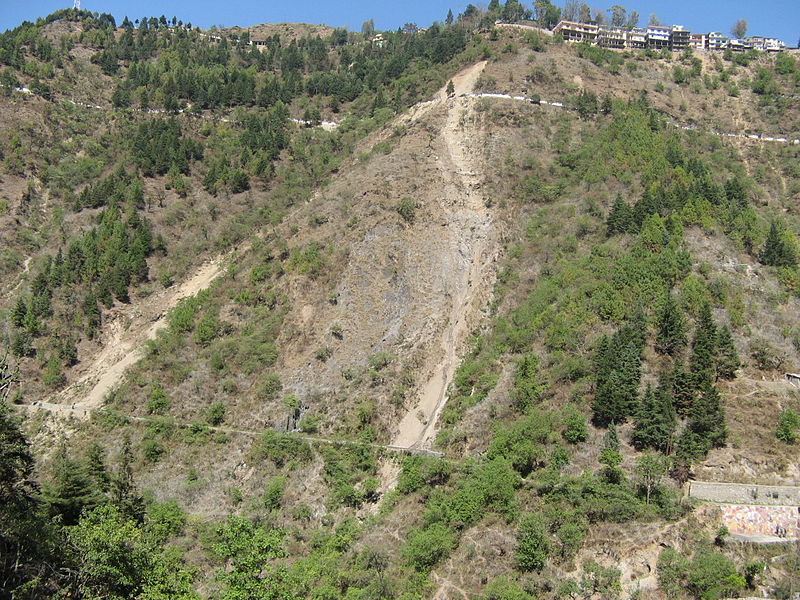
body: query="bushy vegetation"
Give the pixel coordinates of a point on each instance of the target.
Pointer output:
(601, 316)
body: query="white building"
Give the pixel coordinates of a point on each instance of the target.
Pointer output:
(717, 41)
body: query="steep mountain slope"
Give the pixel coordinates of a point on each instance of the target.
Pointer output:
(466, 276)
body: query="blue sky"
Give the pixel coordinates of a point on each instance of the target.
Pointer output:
(778, 18)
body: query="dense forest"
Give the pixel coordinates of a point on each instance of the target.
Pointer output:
(623, 338)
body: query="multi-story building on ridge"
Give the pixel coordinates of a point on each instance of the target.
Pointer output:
(698, 41)
(577, 32)
(717, 41)
(739, 45)
(764, 43)
(636, 39)
(612, 37)
(658, 37)
(679, 38)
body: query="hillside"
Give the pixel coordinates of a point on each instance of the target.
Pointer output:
(470, 339)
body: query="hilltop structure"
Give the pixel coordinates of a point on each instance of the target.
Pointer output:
(660, 37)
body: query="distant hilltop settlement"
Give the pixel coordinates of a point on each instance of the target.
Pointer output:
(660, 37)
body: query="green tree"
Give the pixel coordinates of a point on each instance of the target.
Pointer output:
(683, 388)
(672, 569)
(671, 328)
(527, 387)
(704, 347)
(116, 560)
(618, 14)
(707, 417)
(650, 470)
(727, 358)
(788, 426)
(70, 490)
(533, 545)
(250, 550)
(780, 247)
(655, 421)
(125, 495)
(620, 217)
(712, 576)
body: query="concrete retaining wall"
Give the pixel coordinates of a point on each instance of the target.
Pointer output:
(736, 493)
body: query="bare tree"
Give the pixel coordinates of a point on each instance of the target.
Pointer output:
(584, 13)
(571, 10)
(598, 16)
(739, 29)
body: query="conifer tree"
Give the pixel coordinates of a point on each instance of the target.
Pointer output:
(18, 312)
(779, 250)
(94, 464)
(707, 417)
(620, 218)
(654, 422)
(124, 493)
(610, 456)
(70, 490)
(616, 397)
(683, 390)
(727, 357)
(671, 335)
(704, 348)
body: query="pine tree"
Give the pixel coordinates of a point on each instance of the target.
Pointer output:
(610, 456)
(617, 373)
(683, 389)
(94, 464)
(707, 417)
(671, 335)
(779, 249)
(70, 491)
(704, 348)
(620, 218)
(18, 312)
(654, 422)
(124, 494)
(727, 357)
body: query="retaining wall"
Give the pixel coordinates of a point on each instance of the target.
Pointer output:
(737, 493)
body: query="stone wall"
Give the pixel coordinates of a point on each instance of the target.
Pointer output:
(736, 493)
(781, 521)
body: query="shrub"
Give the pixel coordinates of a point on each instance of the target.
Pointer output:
(152, 449)
(270, 387)
(788, 425)
(533, 546)
(504, 588)
(406, 209)
(712, 576)
(280, 448)
(273, 494)
(575, 430)
(157, 401)
(216, 413)
(425, 547)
